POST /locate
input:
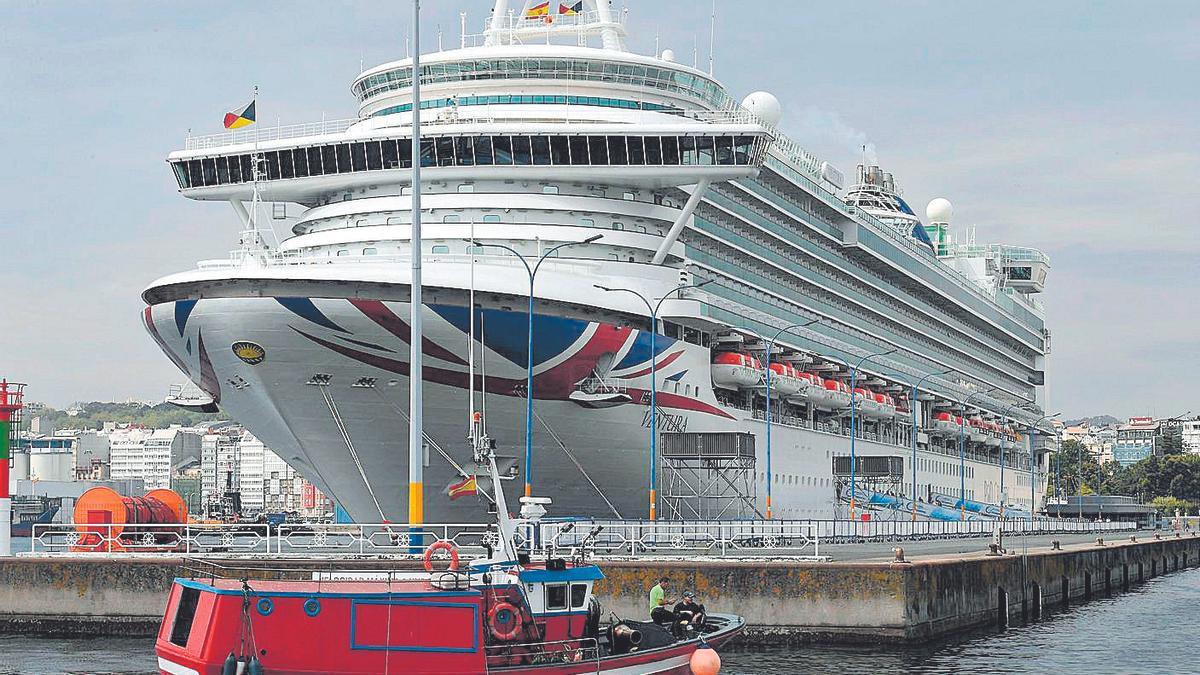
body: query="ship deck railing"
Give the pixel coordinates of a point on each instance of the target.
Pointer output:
(332, 549)
(573, 651)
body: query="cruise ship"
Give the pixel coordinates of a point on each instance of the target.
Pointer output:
(678, 235)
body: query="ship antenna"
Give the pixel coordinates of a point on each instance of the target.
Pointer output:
(712, 36)
(416, 429)
(462, 30)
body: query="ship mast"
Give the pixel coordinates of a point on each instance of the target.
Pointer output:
(537, 21)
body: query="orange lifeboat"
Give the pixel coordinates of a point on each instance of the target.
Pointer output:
(734, 370)
(864, 399)
(943, 424)
(976, 430)
(784, 380)
(832, 395)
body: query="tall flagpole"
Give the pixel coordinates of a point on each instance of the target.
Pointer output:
(416, 440)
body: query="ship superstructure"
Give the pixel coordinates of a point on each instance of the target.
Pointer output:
(528, 144)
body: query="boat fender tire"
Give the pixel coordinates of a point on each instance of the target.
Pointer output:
(441, 546)
(496, 621)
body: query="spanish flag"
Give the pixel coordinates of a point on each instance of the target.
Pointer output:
(541, 9)
(242, 118)
(570, 9)
(464, 487)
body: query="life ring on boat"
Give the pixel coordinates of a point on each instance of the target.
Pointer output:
(441, 546)
(501, 615)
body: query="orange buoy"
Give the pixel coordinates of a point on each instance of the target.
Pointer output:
(705, 661)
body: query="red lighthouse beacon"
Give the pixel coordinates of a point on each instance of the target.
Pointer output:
(11, 395)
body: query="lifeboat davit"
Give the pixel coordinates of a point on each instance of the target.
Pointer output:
(943, 424)
(976, 430)
(784, 380)
(831, 395)
(734, 370)
(993, 434)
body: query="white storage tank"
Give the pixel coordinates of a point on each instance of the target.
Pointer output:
(58, 466)
(20, 466)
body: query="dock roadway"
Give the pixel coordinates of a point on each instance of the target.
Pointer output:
(860, 596)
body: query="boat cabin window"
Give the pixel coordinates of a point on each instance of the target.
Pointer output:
(578, 595)
(556, 596)
(185, 613)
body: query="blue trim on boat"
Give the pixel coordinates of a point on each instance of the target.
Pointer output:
(304, 308)
(188, 583)
(589, 573)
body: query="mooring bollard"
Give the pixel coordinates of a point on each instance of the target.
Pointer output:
(1133, 538)
(1158, 536)
(1056, 545)
(1099, 542)
(898, 553)
(994, 549)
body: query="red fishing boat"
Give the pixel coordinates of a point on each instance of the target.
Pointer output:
(504, 613)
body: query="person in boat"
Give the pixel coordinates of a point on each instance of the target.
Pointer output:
(689, 613)
(660, 603)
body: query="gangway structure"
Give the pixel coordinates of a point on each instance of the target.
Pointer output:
(709, 476)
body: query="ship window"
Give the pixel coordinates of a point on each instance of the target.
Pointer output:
(285, 164)
(181, 176)
(541, 150)
(428, 152)
(299, 159)
(374, 159)
(578, 595)
(223, 170)
(724, 150)
(502, 146)
(491, 218)
(618, 225)
(704, 147)
(559, 151)
(329, 159)
(670, 150)
(587, 222)
(556, 596)
(210, 171)
(464, 151)
(370, 251)
(579, 149)
(688, 154)
(404, 151)
(522, 154)
(637, 155)
(358, 156)
(628, 196)
(343, 252)
(343, 158)
(466, 187)
(452, 218)
(483, 151)
(743, 148)
(599, 149)
(445, 151)
(549, 189)
(617, 154)
(185, 614)
(196, 173)
(387, 154)
(441, 249)
(654, 152)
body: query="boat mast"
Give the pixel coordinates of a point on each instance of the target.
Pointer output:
(416, 497)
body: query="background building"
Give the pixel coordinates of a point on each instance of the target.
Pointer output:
(1135, 440)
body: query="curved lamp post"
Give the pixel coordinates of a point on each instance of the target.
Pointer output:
(653, 309)
(962, 456)
(912, 405)
(1004, 416)
(532, 272)
(1033, 430)
(770, 346)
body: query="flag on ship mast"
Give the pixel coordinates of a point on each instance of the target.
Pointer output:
(570, 9)
(240, 118)
(538, 10)
(464, 487)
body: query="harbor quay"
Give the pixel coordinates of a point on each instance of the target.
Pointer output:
(914, 595)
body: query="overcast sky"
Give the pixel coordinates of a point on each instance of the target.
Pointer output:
(1069, 126)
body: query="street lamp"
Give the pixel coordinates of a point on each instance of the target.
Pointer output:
(912, 406)
(770, 346)
(532, 271)
(653, 309)
(853, 455)
(1004, 416)
(1033, 430)
(962, 456)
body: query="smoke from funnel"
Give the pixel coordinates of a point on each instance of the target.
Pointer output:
(827, 124)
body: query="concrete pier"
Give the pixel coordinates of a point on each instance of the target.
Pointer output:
(784, 601)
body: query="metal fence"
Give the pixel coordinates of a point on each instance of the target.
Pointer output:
(795, 539)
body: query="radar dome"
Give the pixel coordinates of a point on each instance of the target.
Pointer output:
(939, 211)
(765, 105)
(668, 55)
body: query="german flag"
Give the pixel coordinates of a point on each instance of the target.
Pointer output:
(570, 9)
(463, 488)
(538, 10)
(242, 118)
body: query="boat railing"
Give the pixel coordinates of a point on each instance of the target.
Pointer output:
(264, 133)
(578, 650)
(749, 538)
(174, 539)
(601, 385)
